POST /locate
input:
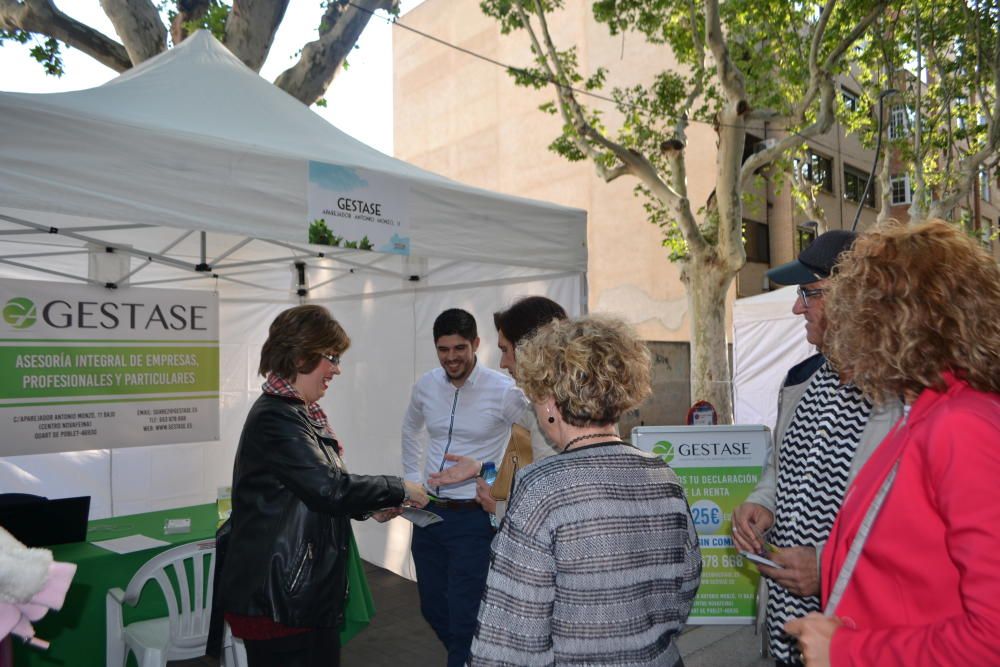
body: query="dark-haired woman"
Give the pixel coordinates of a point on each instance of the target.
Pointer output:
(283, 583)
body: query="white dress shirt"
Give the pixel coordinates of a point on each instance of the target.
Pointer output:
(471, 420)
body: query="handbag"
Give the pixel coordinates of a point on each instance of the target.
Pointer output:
(517, 455)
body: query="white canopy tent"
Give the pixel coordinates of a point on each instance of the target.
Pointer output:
(768, 339)
(190, 172)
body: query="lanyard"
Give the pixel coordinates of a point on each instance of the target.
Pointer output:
(864, 530)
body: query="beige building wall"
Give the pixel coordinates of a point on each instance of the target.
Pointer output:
(465, 118)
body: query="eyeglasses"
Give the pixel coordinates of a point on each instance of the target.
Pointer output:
(334, 359)
(805, 294)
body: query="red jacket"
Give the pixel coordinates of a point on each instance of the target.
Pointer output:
(926, 590)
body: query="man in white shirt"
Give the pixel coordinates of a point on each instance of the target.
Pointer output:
(465, 409)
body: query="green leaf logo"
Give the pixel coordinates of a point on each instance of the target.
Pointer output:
(19, 313)
(665, 449)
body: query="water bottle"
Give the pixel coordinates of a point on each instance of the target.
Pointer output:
(489, 472)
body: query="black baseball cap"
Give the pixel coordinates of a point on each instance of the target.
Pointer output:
(815, 262)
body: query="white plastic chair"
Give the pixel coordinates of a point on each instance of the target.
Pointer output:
(234, 654)
(184, 632)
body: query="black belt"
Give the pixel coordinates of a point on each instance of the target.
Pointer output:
(454, 504)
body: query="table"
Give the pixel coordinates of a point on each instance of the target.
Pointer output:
(78, 630)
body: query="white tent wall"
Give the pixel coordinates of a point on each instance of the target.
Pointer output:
(768, 339)
(391, 346)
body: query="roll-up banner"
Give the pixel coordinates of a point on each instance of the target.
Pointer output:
(719, 466)
(84, 367)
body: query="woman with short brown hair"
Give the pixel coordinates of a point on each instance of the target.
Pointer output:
(284, 583)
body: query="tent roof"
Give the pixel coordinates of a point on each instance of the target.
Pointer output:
(773, 305)
(192, 139)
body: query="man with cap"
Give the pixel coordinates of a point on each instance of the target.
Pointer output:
(825, 431)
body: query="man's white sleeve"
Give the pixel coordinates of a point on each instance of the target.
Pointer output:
(413, 423)
(517, 408)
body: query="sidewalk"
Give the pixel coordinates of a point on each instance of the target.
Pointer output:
(721, 646)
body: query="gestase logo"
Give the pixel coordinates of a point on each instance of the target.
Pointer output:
(665, 450)
(20, 313)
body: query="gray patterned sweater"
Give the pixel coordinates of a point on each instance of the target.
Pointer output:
(596, 563)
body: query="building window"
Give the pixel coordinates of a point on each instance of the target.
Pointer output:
(899, 187)
(849, 99)
(805, 234)
(854, 186)
(984, 185)
(986, 232)
(899, 122)
(817, 169)
(757, 241)
(960, 107)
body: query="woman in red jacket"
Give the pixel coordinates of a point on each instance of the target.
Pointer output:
(914, 311)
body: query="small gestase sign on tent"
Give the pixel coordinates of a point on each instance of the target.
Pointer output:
(85, 368)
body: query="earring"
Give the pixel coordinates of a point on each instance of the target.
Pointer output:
(552, 420)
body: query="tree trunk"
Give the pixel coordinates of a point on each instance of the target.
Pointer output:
(707, 281)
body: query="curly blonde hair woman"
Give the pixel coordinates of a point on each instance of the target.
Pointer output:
(908, 304)
(913, 312)
(597, 558)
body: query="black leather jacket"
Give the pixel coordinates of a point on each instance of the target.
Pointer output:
(291, 520)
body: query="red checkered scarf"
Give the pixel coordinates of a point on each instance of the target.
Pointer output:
(278, 386)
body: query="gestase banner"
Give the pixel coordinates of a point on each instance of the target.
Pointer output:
(83, 367)
(719, 466)
(357, 208)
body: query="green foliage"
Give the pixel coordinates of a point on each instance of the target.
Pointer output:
(363, 244)
(957, 40)
(214, 19)
(320, 234)
(47, 52)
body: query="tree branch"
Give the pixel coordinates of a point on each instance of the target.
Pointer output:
(824, 121)
(321, 59)
(680, 127)
(730, 76)
(807, 200)
(632, 162)
(250, 29)
(970, 166)
(570, 110)
(820, 83)
(42, 17)
(139, 25)
(837, 53)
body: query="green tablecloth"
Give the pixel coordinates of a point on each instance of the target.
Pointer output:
(78, 630)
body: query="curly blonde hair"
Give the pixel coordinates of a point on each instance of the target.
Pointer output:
(595, 368)
(908, 303)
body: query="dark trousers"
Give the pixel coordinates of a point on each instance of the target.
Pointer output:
(317, 648)
(452, 558)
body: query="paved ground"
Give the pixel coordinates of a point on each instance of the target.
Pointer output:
(399, 636)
